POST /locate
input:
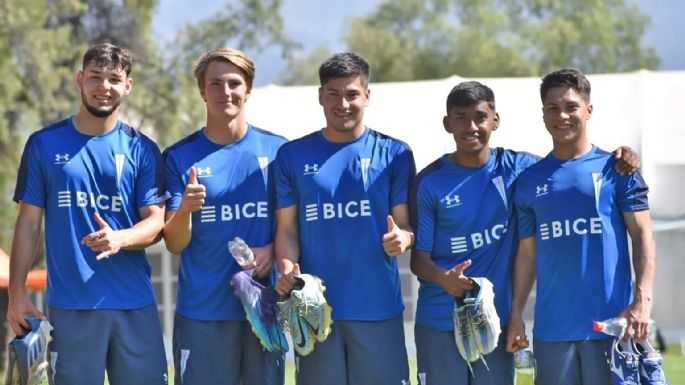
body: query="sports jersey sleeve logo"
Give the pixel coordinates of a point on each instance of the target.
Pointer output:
(61, 158)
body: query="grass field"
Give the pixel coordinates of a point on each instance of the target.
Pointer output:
(674, 366)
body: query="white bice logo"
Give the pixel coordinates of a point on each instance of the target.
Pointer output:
(541, 190)
(329, 210)
(568, 227)
(204, 172)
(452, 201)
(232, 212)
(61, 158)
(311, 169)
(477, 240)
(88, 199)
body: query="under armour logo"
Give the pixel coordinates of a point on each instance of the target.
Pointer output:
(541, 190)
(204, 172)
(451, 201)
(59, 158)
(310, 169)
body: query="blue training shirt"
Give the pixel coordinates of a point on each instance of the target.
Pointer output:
(71, 176)
(461, 213)
(574, 208)
(238, 179)
(343, 193)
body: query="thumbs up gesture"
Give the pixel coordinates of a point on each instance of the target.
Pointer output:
(396, 241)
(104, 241)
(455, 282)
(194, 194)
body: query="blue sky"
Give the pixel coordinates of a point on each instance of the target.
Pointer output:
(313, 23)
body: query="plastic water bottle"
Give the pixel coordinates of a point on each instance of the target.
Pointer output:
(617, 326)
(241, 252)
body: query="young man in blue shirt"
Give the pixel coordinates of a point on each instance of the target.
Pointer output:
(573, 211)
(341, 214)
(100, 184)
(220, 179)
(463, 215)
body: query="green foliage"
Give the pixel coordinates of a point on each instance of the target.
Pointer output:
(425, 39)
(41, 46)
(301, 70)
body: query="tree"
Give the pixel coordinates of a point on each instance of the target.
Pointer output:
(424, 39)
(302, 69)
(41, 45)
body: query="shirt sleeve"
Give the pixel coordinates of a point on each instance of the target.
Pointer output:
(174, 182)
(285, 191)
(424, 225)
(150, 183)
(31, 184)
(403, 173)
(525, 217)
(632, 193)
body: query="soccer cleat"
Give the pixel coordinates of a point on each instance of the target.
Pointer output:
(303, 336)
(260, 306)
(625, 363)
(28, 354)
(485, 327)
(309, 303)
(651, 372)
(462, 331)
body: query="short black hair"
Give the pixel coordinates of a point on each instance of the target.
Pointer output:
(108, 55)
(469, 93)
(566, 77)
(342, 65)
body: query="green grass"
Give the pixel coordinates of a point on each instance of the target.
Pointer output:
(674, 367)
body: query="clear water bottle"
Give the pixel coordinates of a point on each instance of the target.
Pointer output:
(241, 252)
(617, 326)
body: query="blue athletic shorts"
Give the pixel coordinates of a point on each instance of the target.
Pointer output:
(356, 353)
(572, 363)
(438, 361)
(223, 352)
(126, 343)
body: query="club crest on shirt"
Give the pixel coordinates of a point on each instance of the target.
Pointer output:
(263, 165)
(119, 163)
(364, 164)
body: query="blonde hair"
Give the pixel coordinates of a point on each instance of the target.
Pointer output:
(228, 55)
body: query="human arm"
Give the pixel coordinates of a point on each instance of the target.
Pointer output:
(178, 224)
(628, 161)
(523, 279)
(400, 236)
(24, 246)
(264, 260)
(452, 280)
(638, 224)
(287, 248)
(107, 241)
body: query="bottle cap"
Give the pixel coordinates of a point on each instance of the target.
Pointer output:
(598, 326)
